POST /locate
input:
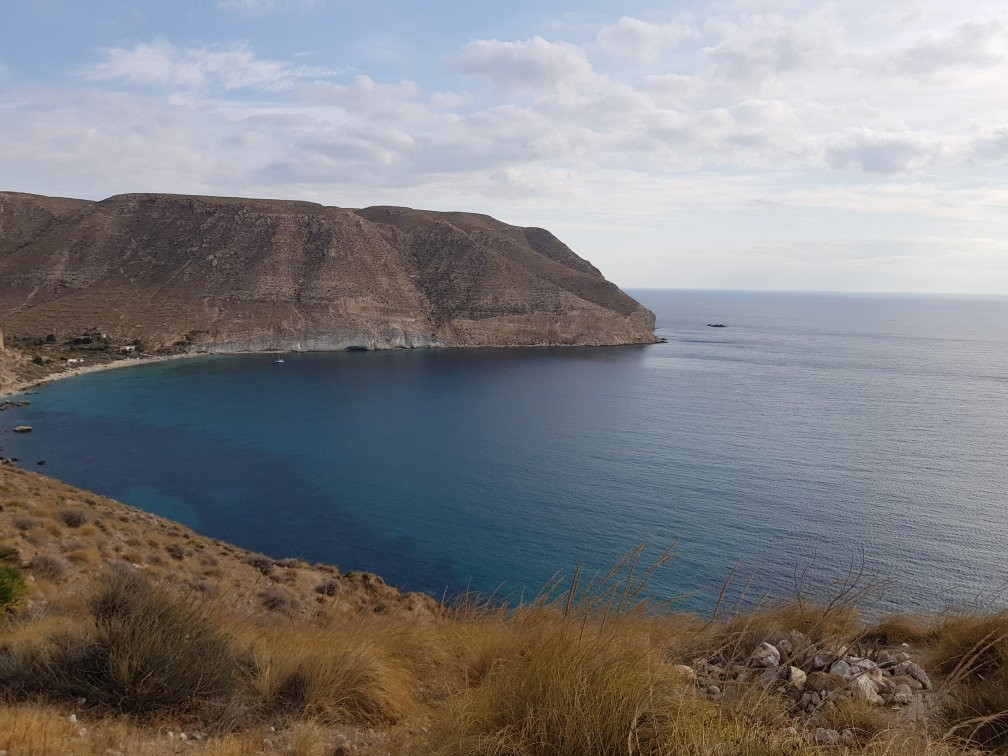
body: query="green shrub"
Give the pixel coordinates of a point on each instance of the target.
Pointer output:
(12, 582)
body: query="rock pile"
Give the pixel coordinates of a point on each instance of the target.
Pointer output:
(817, 676)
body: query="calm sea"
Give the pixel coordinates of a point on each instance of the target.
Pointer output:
(812, 429)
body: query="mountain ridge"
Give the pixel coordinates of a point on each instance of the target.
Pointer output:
(232, 274)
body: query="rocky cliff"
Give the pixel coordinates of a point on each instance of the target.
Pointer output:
(227, 274)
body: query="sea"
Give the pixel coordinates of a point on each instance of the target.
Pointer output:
(814, 441)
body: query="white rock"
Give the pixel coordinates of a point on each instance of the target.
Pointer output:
(73, 719)
(797, 678)
(865, 690)
(766, 655)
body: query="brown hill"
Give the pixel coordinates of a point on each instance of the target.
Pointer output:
(227, 274)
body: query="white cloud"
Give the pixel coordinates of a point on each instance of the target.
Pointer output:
(973, 45)
(226, 67)
(882, 152)
(531, 65)
(637, 40)
(753, 49)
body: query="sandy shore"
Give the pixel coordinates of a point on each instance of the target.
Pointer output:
(22, 386)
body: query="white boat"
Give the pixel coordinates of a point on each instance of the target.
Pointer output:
(279, 361)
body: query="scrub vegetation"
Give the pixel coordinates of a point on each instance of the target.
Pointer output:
(125, 633)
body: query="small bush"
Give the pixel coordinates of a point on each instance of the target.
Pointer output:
(261, 563)
(331, 587)
(48, 565)
(72, 518)
(12, 585)
(25, 523)
(176, 551)
(278, 600)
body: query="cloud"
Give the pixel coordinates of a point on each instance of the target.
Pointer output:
(991, 146)
(225, 67)
(263, 7)
(973, 45)
(531, 65)
(793, 122)
(641, 41)
(755, 48)
(881, 152)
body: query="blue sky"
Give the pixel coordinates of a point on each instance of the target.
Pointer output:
(735, 144)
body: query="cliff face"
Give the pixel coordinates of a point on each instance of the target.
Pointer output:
(225, 274)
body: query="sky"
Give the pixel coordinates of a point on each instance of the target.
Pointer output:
(848, 146)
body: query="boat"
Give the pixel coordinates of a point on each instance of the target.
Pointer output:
(279, 361)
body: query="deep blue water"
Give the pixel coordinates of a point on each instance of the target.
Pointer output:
(813, 427)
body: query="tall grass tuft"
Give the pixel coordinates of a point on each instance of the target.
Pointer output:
(143, 651)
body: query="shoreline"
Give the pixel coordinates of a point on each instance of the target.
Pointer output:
(24, 386)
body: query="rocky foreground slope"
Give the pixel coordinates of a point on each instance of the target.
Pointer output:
(227, 274)
(124, 633)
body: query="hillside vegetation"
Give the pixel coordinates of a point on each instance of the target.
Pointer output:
(126, 633)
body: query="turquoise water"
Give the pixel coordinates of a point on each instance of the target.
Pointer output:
(813, 427)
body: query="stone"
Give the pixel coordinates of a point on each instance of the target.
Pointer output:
(713, 691)
(822, 660)
(864, 689)
(911, 682)
(913, 670)
(842, 668)
(902, 695)
(768, 677)
(686, 672)
(797, 678)
(847, 736)
(825, 681)
(766, 655)
(824, 736)
(886, 656)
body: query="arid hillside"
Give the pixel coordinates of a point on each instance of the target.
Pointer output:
(227, 274)
(124, 633)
